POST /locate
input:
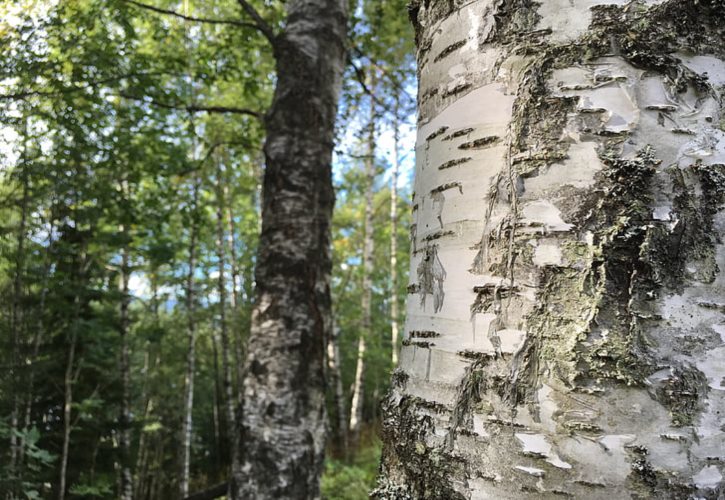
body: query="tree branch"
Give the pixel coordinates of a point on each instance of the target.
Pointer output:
(173, 13)
(360, 77)
(193, 108)
(259, 21)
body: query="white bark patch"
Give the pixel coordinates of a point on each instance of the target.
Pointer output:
(708, 478)
(720, 329)
(547, 254)
(569, 19)
(479, 426)
(544, 212)
(454, 63)
(661, 213)
(538, 445)
(486, 105)
(713, 366)
(530, 470)
(713, 67)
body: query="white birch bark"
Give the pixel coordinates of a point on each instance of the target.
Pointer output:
(564, 330)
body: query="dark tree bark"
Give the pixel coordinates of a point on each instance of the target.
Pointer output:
(283, 413)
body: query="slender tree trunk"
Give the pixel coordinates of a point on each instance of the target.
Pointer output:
(67, 405)
(394, 237)
(37, 338)
(569, 207)
(335, 374)
(142, 460)
(229, 399)
(69, 377)
(187, 425)
(126, 487)
(219, 428)
(234, 296)
(358, 391)
(15, 313)
(142, 442)
(283, 416)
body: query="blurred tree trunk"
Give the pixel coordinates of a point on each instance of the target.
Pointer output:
(187, 425)
(338, 395)
(358, 391)
(564, 328)
(229, 399)
(283, 417)
(126, 490)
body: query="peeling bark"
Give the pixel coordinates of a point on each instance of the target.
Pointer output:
(283, 419)
(585, 242)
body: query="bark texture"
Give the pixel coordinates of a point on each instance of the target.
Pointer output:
(568, 217)
(283, 418)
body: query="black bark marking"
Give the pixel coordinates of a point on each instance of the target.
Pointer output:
(482, 143)
(457, 90)
(449, 50)
(453, 163)
(449, 185)
(423, 334)
(435, 134)
(458, 133)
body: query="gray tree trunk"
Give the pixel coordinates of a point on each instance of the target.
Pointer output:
(283, 414)
(565, 331)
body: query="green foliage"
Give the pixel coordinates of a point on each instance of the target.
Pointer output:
(352, 481)
(100, 158)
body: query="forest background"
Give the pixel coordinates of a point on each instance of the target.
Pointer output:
(131, 154)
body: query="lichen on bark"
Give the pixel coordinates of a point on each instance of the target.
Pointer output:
(594, 248)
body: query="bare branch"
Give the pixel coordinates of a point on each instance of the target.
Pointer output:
(173, 13)
(360, 77)
(259, 21)
(393, 80)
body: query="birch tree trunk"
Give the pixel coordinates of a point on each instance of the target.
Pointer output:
(565, 330)
(126, 485)
(358, 390)
(283, 414)
(229, 399)
(187, 426)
